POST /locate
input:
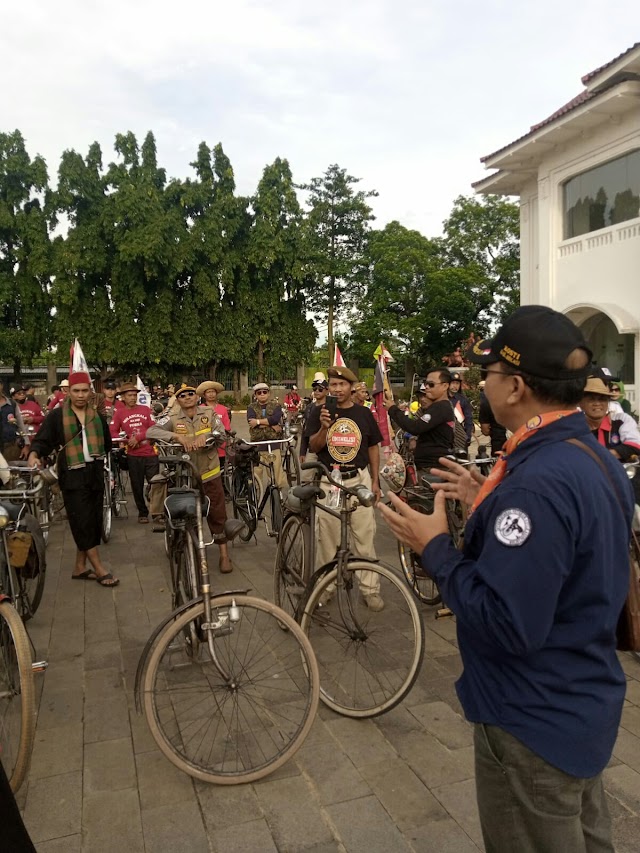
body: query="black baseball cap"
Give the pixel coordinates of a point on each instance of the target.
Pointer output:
(109, 383)
(536, 340)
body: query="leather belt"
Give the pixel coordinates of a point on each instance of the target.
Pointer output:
(349, 475)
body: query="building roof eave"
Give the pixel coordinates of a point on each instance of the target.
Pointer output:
(503, 183)
(529, 149)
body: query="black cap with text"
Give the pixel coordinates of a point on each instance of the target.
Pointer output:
(536, 340)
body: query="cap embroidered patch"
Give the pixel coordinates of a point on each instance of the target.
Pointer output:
(510, 355)
(480, 348)
(512, 527)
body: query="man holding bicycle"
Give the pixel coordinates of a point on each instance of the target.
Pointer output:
(191, 428)
(348, 438)
(537, 592)
(264, 417)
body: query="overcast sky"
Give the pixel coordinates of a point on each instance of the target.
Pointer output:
(406, 95)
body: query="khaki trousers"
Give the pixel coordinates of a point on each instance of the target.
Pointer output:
(528, 806)
(261, 472)
(362, 533)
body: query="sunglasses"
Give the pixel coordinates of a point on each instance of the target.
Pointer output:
(262, 391)
(186, 394)
(433, 384)
(614, 389)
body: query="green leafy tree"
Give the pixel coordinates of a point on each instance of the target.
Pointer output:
(337, 227)
(415, 306)
(24, 254)
(83, 259)
(481, 235)
(275, 308)
(214, 284)
(148, 230)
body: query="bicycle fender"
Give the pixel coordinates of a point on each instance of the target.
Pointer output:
(159, 628)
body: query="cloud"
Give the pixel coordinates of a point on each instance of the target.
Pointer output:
(405, 95)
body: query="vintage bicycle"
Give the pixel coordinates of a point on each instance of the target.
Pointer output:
(368, 660)
(228, 683)
(251, 501)
(22, 569)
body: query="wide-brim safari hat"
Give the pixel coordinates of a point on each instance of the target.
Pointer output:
(209, 385)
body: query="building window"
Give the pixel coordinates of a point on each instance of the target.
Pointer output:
(603, 196)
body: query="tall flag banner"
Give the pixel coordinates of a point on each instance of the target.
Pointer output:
(144, 398)
(380, 385)
(78, 363)
(338, 360)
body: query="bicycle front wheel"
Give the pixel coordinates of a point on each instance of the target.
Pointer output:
(107, 509)
(239, 728)
(290, 575)
(17, 697)
(368, 659)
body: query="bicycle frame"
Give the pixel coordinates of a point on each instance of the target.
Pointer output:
(209, 627)
(343, 552)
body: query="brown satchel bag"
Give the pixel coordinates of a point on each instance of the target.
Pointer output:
(628, 630)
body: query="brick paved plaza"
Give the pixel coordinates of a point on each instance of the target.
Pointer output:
(98, 783)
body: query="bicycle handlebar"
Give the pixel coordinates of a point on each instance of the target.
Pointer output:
(361, 493)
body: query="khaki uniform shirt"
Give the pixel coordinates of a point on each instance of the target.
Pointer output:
(205, 420)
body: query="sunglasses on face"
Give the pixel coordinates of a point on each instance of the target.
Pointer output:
(433, 384)
(262, 392)
(615, 390)
(186, 394)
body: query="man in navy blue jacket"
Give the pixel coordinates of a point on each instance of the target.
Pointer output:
(537, 592)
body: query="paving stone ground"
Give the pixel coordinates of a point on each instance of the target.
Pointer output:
(401, 782)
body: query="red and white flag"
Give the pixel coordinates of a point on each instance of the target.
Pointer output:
(144, 398)
(338, 360)
(78, 361)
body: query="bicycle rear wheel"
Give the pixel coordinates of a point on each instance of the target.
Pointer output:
(275, 510)
(368, 659)
(244, 507)
(291, 465)
(107, 509)
(290, 576)
(30, 578)
(17, 697)
(235, 730)
(422, 585)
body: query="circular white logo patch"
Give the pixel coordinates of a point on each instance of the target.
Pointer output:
(426, 418)
(513, 527)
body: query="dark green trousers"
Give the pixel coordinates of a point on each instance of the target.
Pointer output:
(528, 806)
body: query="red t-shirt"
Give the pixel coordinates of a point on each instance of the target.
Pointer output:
(223, 412)
(33, 409)
(133, 422)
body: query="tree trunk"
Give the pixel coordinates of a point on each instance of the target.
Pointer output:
(212, 370)
(330, 324)
(17, 370)
(260, 361)
(409, 371)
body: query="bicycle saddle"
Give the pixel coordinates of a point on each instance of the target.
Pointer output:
(308, 492)
(431, 478)
(13, 509)
(181, 503)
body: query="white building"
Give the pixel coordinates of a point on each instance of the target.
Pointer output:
(577, 174)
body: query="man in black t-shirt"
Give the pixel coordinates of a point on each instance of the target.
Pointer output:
(349, 441)
(433, 427)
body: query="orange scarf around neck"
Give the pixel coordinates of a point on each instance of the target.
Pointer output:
(532, 426)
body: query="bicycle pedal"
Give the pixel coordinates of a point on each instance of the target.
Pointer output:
(39, 666)
(443, 613)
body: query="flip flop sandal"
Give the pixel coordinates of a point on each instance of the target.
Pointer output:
(103, 580)
(143, 519)
(88, 575)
